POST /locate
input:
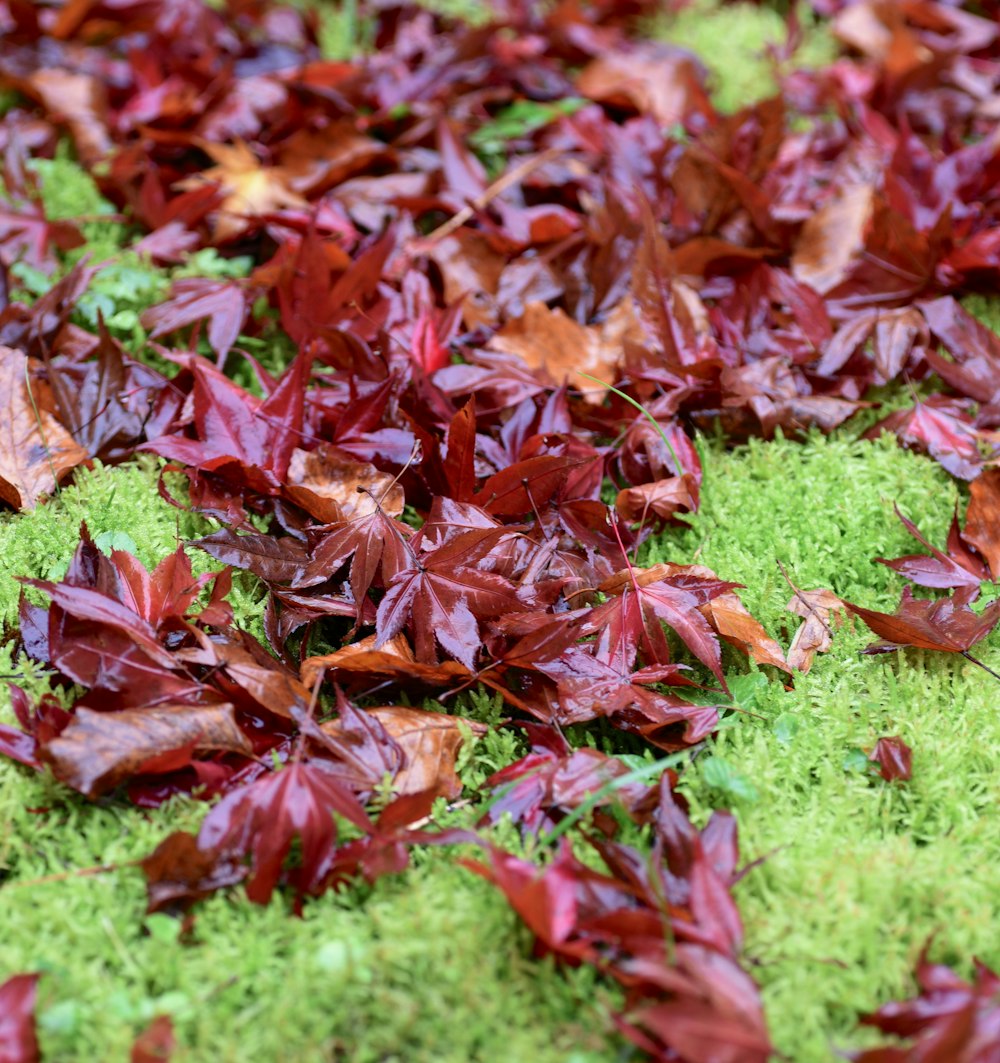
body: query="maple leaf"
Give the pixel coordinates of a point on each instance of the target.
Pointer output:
(361, 662)
(442, 600)
(36, 451)
(249, 189)
(375, 543)
(982, 519)
(632, 619)
(429, 742)
(949, 1021)
(28, 235)
(259, 822)
(660, 79)
(104, 402)
(538, 789)
(942, 429)
(818, 608)
(236, 429)
(333, 490)
(223, 304)
(98, 751)
(960, 567)
(975, 348)
(587, 688)
(18, 1036)
(80, 100)
(551, 341)
(948, 624)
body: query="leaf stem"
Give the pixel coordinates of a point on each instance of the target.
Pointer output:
(985, 667)
(645, 413)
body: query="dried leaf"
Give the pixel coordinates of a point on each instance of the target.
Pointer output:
(36, 451)
(430, 742)
(816, 634)
(98, 751)
(333, 490)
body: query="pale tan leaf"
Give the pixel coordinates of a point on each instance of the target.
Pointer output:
(35, 450)
(333, 489)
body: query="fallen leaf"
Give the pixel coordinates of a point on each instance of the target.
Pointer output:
(36, 451)
(982, 519)
(100, 750)
(334, 490)
(947, 624)
(18, 1036)
(948, 1021)
(430, 742)
(658, 79)
(156, 1043)
(894, 759)
(816, 634)
(832, 238)
(249, 189)
(551, 341)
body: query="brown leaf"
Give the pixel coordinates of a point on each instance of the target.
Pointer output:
(982, 519)
(430, 742)
(878, 30)
(35, 450)
(831, 239)
(655, 78)
(552, 341)
(816, 634)
(342, 667)
(661, 499)
(470, 268)
(99, 750)
(333, 490)
(623, 578)
(79, 101)
(729, 616)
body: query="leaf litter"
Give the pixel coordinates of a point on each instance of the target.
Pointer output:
(478, 353)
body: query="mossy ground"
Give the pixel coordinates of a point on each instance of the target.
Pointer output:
(859, 873)
(734, 42)
(433, 965)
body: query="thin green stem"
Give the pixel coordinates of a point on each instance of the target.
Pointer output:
(647, 771)
(645, 413)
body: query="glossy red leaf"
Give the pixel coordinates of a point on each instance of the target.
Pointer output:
(894, 759)
(947, 624)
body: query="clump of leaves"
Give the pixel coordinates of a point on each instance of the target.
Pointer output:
(949, 1019)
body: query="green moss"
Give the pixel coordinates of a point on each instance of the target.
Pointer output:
(823, 508)
(432, 965)
(859, 873)
(986, 308)
(119, 499)
(732, 41)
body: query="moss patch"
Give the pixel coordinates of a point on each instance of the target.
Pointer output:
(859, 873)
(428, 966)
(732, 40)
(112, 501)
